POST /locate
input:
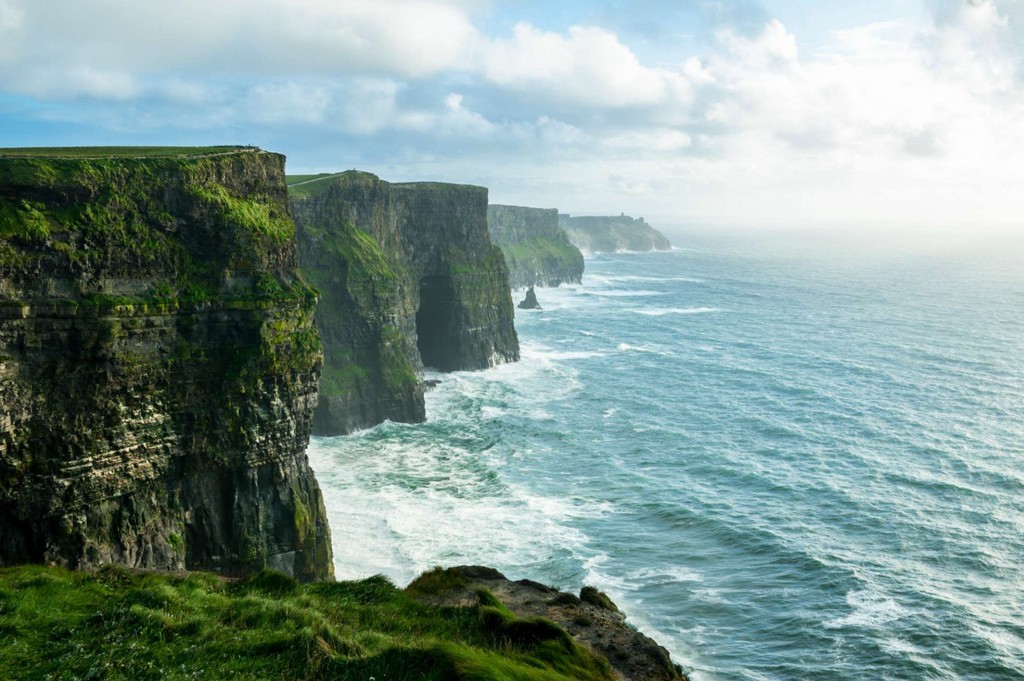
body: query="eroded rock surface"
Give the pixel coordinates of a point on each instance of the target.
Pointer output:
(591, 618)
(158, 365)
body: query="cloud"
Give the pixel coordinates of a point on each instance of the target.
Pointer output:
(403, 38)
(884, 118)
(588, 66)
(287, 102)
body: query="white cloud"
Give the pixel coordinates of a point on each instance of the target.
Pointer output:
(11, 16)
(289, 102)
(460, 121)
(588, 65)
(404, 38)
(80, 81)
(656, 140)
(887, 119)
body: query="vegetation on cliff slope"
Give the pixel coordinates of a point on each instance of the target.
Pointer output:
(542, 262)
(536, 248)
(114, 624)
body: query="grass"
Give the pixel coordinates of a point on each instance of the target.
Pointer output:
(303, 186)
(119, 152)
(114, 624)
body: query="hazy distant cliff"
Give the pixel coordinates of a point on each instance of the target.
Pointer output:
(606, 234)
(536, 248)
(408, 277)
(158, 364)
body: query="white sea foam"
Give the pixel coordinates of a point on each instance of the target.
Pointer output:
(635, 277)
(399, 508)
(626, 347)
(666, 573)
(622, 293)
(871, 609)
(663, 311)
(535, 353)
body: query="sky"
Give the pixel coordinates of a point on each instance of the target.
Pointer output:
(751, 112)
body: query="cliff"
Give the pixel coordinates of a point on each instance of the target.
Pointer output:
(158, 364)
(536, 248)
(408, 277)
(607, 234)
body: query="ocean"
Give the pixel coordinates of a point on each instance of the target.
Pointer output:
(783, 457)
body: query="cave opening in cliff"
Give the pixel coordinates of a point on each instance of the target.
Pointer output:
(435, 324)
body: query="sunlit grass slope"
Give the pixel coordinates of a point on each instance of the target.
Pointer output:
(116, 624)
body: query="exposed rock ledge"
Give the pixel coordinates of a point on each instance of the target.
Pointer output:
(592, 619)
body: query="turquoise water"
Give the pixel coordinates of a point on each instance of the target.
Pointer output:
(782, 462)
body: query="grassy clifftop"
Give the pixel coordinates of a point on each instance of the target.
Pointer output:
(114, 624)
(120, 152)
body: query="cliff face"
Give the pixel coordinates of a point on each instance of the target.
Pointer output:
(536, 248)
(607, 234)
(158, 365)
(408, 277)
(367, 311)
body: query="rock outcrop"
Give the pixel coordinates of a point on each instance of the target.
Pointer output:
(158, 364)
(608, 234)
(530, 301)
(536, 248)
(408, 277)
(591, 618)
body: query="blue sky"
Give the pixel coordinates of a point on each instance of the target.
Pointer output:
(755, 113)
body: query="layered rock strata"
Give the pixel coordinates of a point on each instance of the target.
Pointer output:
(536, 248)
(158, 364)
(608, 234)
(408, 277)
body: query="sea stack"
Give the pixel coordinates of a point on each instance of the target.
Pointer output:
(530, 301)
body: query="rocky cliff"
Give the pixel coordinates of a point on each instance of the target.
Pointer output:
(408, 277)
(607, 234)
(591, 619)
(158, 364)
(536, 248)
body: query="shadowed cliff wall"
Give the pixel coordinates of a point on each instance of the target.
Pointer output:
(408, 276)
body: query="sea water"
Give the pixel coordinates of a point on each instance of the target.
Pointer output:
(782, 461)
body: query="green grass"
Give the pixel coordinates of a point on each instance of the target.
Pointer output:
(302, 186)
(113, 624)
(118, 152)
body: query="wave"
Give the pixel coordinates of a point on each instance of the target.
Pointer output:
(616, 293)
(605, 278)
(871, 609)
(663, 311)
